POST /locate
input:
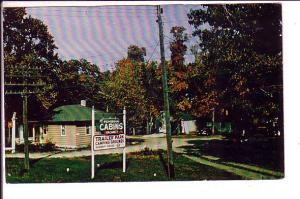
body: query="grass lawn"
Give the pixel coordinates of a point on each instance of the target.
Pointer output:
(265, 153)
(142, 166)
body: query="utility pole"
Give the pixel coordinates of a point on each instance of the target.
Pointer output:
(171, 169)
(24, 88)
(25, 128)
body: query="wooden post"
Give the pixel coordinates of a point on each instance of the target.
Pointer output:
(25, 130)
(33, 133)
(21, 134)
(92, 145)
(124, 149)
(13, 141)
(171, 169)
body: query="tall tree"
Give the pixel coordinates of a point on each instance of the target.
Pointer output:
(242, 54)
(27, 40)
(80, 80)
(125, 89)
(178, 71)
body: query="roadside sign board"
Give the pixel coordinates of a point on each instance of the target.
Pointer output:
(111, 135)
(109, 141)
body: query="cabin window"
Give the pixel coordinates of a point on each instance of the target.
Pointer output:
(62, 130)
(88, 130)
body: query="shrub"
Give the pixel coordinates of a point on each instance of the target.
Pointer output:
(148, 151)
(37, 147)
(49, 146)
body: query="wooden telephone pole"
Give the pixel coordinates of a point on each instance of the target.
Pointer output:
(171, 169)
(28, 85)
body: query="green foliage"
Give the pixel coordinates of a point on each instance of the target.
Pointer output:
(79, 80)
(136, 53)
(46, 147)
(28, 45)
(26, 35)
(241, 57)
(135, 84)
(124, 88)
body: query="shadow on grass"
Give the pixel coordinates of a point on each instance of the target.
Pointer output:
(110, 165)
(32, 162)
(263, 152)
(113, 165)
(163, 162)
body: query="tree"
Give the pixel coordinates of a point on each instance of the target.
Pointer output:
(178, 47)
(27, 43)
(153, 94)
(135, 84)
(80, 80)
(178, 71)
(136, 53)
(125, 89)
(242, 54)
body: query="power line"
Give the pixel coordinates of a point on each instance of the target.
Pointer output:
(96, 55)
(101, 12)
(109, 8)
(153, 51)
(171, 39)
(105, 16)
(86, 12)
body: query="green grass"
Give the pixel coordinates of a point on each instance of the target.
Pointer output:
(266, 153)
(247, 172)
(141, 167)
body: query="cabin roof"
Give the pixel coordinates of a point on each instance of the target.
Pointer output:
(77, 113)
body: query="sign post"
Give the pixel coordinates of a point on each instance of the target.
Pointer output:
(13, 141)
(92, 144)
(124, 149)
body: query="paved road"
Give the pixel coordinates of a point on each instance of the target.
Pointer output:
(152, 142)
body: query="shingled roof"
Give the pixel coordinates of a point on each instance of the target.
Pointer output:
(77, 113)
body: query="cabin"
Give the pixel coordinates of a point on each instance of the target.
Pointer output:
(69, 126)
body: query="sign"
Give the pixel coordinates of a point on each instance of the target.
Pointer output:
(109, 141)
(110, 126)
(111, 135)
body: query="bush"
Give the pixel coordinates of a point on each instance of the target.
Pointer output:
(49, 146)
(148, 151)
(37, 147)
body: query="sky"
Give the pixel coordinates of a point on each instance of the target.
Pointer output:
(102, 34)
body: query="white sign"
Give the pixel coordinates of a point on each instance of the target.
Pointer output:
(109, 141)
(112, 136)
(111, 126)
